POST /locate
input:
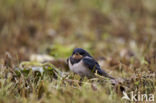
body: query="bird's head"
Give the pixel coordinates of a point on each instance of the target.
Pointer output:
(79, 53)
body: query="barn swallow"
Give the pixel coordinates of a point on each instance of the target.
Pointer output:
(82, 63)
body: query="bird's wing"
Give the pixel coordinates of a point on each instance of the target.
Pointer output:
(93, 65)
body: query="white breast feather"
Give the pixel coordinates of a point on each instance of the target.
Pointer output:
(80, 69)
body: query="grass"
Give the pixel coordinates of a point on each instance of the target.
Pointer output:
(119, 34)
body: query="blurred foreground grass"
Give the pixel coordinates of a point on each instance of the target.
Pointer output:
(120, 34)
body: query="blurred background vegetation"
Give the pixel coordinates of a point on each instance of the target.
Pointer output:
(120, 32)
(32, 26)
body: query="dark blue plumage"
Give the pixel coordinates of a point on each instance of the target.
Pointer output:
(94, 66)
(81, 52)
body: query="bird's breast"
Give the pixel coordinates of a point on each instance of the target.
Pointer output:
(80, 69)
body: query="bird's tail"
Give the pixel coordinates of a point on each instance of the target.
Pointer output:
(103, 73)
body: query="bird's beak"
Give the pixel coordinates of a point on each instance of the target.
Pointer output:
(77, 56)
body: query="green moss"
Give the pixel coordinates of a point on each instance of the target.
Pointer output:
(59, 50)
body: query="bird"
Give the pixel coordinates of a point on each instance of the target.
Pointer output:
(82, 63)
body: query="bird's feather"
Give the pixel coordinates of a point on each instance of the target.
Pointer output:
(93, 65)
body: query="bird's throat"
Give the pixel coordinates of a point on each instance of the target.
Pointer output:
(73, 61)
